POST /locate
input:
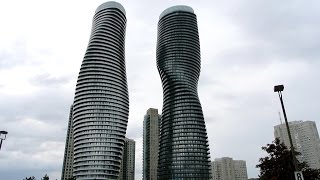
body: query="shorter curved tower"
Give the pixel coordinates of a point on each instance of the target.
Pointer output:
(101, 103)
(183, 148)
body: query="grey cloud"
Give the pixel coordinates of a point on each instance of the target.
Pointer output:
(47, 80)
(285, 29)
(11, 174)
(209, 118)
(134, 131)
(46, 105)
(250, 55)
(18, 56)
(206, 78)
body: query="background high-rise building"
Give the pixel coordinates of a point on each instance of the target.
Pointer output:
(183, 149)
(101, 103)
(67, 167)
(240, 170)
(228, 169)
(151, 129)
(305, 139)
(128, 161)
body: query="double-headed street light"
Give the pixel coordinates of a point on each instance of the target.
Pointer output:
(279, 89)
(3, 135)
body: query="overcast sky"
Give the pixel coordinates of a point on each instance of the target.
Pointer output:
(247, 47)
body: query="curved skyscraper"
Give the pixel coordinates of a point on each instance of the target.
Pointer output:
(184, 148)
(101, 103)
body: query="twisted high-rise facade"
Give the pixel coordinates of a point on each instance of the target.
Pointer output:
(101, 103)
(184, 148)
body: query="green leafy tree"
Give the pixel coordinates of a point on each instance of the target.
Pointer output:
(278, 164)
(46, 177)
(30, 178)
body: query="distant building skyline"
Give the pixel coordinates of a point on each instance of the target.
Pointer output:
(67, 167)
(305, 139)
(101, 102)
(226, 168)
(128, 161)
(151, 130)
(183, 147)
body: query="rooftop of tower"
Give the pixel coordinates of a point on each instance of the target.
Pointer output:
(111, 4)
(176, 8)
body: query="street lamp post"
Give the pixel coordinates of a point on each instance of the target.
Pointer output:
(2, 138)
(279, 89)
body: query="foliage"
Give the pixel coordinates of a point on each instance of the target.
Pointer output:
(46, 177)
(71, 178)
(311, 174)
(30, 178)
(278, 164)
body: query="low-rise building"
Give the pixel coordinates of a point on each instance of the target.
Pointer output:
(226, 168)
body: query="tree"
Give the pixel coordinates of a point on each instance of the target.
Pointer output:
(46, 177)
(278, 164)
(30, 178)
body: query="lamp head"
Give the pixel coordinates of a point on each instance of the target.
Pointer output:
(278, 88)
(3, 132)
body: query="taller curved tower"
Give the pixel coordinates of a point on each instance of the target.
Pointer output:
(101, 103)
(184, 148)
